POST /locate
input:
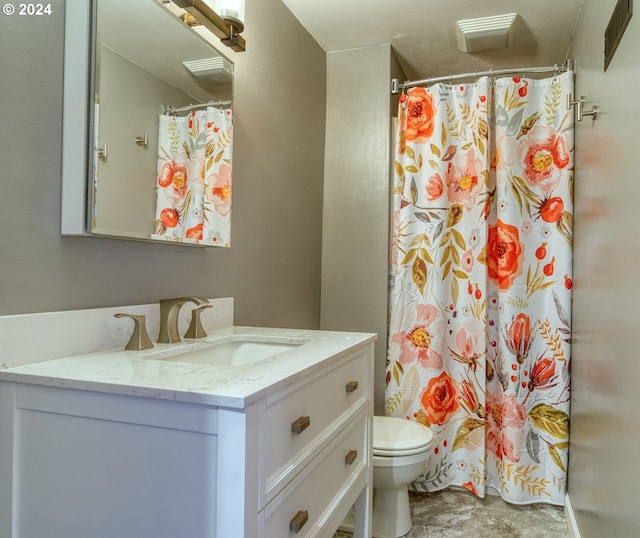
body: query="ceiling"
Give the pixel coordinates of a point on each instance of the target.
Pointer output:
(146, 34)
(423, 32)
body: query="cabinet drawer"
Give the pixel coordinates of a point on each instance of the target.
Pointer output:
(297, 418)
(307, 501)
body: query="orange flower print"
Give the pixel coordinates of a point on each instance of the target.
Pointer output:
(422, 341)
(505, 426)
(173, 176)
(440, 399)
(419, 116)
(165, 174)
(519, 336)
(551, 209)
(434, 187)
(505, 254)
(195, 232)
(544, 154)
(464, 182)
(543, 375)
(169, 217)
(218, 191)
(469, 399)
(469, 485)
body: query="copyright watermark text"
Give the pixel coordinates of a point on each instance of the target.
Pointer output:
(27, 9)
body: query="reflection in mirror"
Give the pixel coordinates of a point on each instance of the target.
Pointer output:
(161, 159)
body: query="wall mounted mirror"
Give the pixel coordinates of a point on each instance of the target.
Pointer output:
(147, 125)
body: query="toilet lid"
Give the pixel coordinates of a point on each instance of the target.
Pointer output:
(398, 436)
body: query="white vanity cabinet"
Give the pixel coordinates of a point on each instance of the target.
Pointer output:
(79, 459)
(316, 456)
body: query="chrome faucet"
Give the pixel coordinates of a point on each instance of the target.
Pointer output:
(169, 310)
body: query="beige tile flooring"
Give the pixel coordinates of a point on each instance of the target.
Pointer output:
(456, 513)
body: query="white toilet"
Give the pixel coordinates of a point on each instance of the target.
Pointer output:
(400, 451)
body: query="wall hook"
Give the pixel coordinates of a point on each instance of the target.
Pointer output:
(580, 112)
(578, 103)
(593, 113)
(102, 152)
(142, 141)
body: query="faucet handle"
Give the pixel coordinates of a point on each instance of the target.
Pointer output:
(139, 338)
(196, 330)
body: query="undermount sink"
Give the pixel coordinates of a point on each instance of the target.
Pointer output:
(237, 350)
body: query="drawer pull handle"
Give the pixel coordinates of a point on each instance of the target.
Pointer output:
(352, 386)
(351, 457)
(298, 426)
(298, 521)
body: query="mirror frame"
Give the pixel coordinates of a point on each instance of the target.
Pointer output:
(78, 123)
(79, 52)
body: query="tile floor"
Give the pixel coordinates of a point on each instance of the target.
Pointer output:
(457, 513)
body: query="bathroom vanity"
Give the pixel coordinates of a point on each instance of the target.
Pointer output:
(162, 443)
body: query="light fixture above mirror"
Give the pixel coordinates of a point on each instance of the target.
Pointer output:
(223, 18)
(231, 11)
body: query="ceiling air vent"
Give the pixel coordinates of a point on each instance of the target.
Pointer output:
(486, 33)
(219, 70)
(616, 27)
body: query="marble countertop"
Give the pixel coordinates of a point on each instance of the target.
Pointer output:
(154, 374)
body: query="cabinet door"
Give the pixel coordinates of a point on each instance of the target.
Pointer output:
(103, 466)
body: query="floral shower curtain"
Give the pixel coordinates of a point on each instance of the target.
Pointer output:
(480, 298)
(194, 178)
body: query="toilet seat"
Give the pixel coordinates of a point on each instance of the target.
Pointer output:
(398, 453)
(394, 436)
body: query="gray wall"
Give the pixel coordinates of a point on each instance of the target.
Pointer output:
(273, 266)
(355, 247)
(126, 189)
(605, 406)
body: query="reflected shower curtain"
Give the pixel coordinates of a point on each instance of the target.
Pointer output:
(194, 178)
(480, 298)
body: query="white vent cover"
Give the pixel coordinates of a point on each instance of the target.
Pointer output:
(218, 69)
(486, 33)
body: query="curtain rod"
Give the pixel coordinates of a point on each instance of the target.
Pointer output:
(396, 87)
(170, 110)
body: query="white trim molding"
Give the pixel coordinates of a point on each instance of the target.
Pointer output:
(574, 532)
